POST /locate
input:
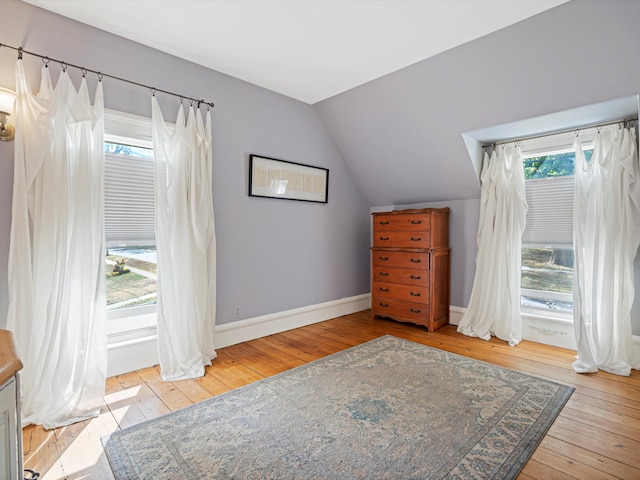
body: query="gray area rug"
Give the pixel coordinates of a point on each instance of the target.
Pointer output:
(387, 409)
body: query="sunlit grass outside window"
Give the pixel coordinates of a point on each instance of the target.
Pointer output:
(135, 284)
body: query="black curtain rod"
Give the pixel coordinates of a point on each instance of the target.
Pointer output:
(100, 75)
(624, 121)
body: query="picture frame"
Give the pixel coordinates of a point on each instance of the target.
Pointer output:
(274, 178)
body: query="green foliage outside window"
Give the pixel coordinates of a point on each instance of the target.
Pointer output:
(549, 166)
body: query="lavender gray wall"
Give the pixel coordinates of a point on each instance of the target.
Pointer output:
(273, 255)
(401, 134)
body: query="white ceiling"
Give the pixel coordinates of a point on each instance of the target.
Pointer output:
(306, 49)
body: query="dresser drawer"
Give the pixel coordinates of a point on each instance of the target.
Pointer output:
(399, 310)
(390, 258)
(402, 239)
(416, 222)
(401, 275)
(409, 293)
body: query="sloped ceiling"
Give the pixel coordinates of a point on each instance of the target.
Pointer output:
(308, 49)
(405, 135)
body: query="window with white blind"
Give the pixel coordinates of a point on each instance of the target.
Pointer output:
(129, 196)
(129, 216)
(547, 241)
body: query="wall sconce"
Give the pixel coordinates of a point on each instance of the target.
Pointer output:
(7, 98)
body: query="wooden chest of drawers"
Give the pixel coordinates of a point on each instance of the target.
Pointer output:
(410, 266)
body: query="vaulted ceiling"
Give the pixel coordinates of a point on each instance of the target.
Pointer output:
(310, 49)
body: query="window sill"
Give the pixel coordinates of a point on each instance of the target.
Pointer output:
(131, 337)
(132, 321)
(562, 318)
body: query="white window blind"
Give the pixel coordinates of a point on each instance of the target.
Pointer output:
(550, 214)
(129, 203)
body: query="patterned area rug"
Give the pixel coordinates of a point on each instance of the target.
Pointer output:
(387, 409)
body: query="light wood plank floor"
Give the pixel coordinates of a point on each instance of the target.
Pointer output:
(597, 435)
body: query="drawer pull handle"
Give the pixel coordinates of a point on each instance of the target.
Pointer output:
(416, 239)
(384, 223)
(415, 260)
(384, 304)
(414, 294)
(416, 222)
(384, 238)
(415, 310)
(414, 277)
(383, 289)
(384, 274)
(383, 258)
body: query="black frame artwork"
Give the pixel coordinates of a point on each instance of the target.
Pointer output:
(274, 178)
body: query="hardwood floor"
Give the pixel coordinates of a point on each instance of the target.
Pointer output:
(597, 435)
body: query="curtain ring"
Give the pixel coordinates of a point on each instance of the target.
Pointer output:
(153, 91)
(100, 77)
(64, 66)
(20, 53)
(84, 72)
(45, 60)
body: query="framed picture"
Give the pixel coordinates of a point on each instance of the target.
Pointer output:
(273, 178)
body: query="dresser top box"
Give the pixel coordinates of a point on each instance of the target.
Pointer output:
(412, 211)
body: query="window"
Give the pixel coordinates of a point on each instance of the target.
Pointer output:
(129, 224)
(547, 242)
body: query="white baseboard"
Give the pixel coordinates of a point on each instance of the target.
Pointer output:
(456, 314)
(137, 353)
(257, 327)
(129, 353)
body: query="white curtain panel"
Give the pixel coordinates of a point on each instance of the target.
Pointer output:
(494, 306)
(57, 305)
(606, 236)
(185, 243)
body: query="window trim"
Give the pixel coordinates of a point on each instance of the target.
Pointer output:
(122, 127)
(551, 144)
